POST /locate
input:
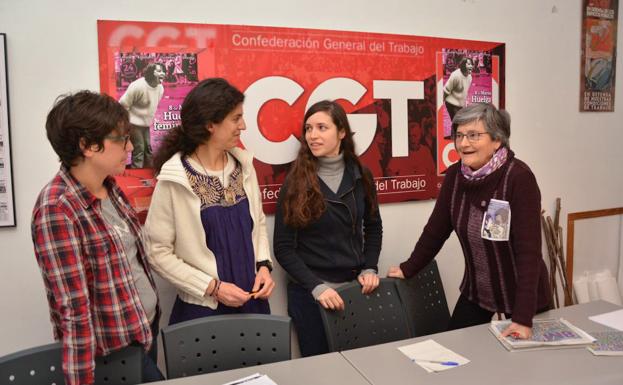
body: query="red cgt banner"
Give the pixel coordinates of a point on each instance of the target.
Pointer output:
(392, 87)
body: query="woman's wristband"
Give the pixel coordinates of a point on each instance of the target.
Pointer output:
(266, 263)
(215, 291)
(216, 285)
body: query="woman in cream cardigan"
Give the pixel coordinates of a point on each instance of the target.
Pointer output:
(205, 226)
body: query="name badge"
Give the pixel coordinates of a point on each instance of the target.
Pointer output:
(496, 221)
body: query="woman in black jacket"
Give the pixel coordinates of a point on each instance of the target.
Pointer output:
(328, 230)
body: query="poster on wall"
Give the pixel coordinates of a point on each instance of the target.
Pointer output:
(599, 47)
(7, 204)
(391, 86)
(463, 77)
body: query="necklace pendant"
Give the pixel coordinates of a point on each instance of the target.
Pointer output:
(230, 196)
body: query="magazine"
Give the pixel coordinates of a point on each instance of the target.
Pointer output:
(546, 334)
(609, 343)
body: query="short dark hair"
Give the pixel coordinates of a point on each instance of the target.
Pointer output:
(84, 117)
(463, 63)
(148, 73)
(209, 102)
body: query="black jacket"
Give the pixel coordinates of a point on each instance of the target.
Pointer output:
(343, 241)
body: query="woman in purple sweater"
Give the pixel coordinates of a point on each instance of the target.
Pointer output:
(493, 203)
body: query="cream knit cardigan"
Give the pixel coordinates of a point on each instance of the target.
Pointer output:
(177, 248)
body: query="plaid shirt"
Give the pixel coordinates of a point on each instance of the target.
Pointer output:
(94, 305)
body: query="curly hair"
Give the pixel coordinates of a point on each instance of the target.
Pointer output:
(148, 73)
(80, 120)
(463, 63)
(208, 102)
(303, 201)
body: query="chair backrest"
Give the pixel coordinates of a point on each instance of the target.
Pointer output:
(366, 319)
(424, 300)
(42, 365)
(121, 367)
(223, 342)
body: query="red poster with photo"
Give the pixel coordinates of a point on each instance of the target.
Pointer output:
(390, 86)
(599, 47)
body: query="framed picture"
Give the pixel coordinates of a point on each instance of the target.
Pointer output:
(599, 48)
(7, 204)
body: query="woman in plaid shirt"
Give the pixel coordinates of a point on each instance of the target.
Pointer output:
(88, 242)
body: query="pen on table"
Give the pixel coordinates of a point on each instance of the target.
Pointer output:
(446, 363)
(247, 379)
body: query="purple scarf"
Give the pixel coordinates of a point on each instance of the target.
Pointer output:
(496, 161)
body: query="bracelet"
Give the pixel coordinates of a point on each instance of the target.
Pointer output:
(266, 263)
(215, 287)
(215, 292)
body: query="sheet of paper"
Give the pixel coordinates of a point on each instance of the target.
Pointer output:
(614, 319)
(430, 350)
(254, 379)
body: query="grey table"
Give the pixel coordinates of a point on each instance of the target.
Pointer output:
(491, 363)
(330, 369)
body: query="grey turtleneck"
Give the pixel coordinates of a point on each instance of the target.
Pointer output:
(331, 171)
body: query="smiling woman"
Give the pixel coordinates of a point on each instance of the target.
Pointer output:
(493, 203)
(457, 87)
(474, 145)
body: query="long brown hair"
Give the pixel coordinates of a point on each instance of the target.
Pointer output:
(303, 202)
(209, 102)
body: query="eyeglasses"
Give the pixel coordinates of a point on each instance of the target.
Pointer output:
(471, 136)
(119, 138)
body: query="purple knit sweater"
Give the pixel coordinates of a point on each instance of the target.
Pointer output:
(500, 276)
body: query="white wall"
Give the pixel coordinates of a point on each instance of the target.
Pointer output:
(52, 48)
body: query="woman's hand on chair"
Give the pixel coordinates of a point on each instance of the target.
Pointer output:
(395, 272)
(231, 295)
(369, 282)
(331, 300)
(263, 285)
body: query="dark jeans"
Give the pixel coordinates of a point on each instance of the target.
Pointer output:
(305, 314)
(151, 373)
(141, 155)
(467, 313)
(452, 109)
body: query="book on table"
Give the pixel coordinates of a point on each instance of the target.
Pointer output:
(609, 343)
(546, 334)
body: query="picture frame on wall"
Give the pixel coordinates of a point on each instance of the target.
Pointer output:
(599, 48)
(7, 203)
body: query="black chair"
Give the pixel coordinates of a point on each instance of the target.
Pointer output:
(366, 319)
(43, 365)
(223, 342)
(424, 301)
(35, 366)
(121, 367)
